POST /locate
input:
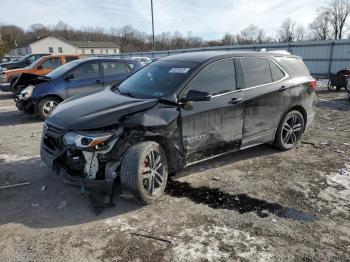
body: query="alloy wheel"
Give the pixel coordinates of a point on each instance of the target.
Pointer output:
(153, 172)
(49, 106)
(292, 130)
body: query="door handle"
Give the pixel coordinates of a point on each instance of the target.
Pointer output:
(283, 88)
(235, 100)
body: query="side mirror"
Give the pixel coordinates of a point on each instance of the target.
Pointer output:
(194, 95)
(40, 67)
(69, 77)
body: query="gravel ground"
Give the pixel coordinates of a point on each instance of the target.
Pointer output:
(258, 204)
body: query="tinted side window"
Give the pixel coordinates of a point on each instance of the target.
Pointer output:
(217, 78)
(277, 73)
(113, 68)
(51, 63)
(129, 67)
(256, 71)
(87, 70)
(71, 58)
(294, 66)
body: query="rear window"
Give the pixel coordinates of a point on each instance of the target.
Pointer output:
(294, 66)
(256, 71)
(113, 68)
(71, 58)
(277, 73)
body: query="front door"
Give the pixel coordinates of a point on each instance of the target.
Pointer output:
(215, 126)
(48, 65)
(84, 79)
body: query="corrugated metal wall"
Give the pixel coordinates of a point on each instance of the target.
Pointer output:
(321, 57)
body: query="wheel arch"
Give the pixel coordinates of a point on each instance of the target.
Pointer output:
(298, 108)
(51, 95)
(174, 156)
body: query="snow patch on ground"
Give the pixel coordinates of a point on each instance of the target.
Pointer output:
(8, 108)
(213, 243)
(5, 159)
(118, 224)
(337, 193)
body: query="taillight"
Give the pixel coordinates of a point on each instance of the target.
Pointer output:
(313, 84)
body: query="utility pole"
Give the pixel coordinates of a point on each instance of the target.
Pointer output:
(153, 44)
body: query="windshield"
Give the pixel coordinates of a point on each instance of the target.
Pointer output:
(59, 71)
(24, 58)
(159, 79)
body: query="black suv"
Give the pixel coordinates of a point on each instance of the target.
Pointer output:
(174, 112)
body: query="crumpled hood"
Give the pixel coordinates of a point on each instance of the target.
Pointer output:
(96, 110)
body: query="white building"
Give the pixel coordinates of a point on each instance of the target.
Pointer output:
(57, 45)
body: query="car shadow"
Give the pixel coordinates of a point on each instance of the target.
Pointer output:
(17, 118)
(341, 104)
(47, 202)
(6, 96)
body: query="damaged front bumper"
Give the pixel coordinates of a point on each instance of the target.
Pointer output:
(25, 105)
(89, 170)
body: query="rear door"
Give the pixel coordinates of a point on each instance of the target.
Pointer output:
(114, 72)
(83, 79)
(264, 92)
(215, 126)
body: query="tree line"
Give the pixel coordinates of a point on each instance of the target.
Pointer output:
(331, 22)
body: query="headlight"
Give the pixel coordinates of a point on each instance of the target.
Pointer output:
(27, 92)
(87, 139)
(3, 77)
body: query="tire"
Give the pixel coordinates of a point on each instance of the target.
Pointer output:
(285, 137)
(46, 105)
(138, 173)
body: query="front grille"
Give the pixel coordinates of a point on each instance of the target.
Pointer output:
(53, 140)
(54, 131)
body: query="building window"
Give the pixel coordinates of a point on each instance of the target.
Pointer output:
(83, 51)
(51, 50)
(60, 50)
(101, 51)
(115, 51)
(92, 51)
(106, 51)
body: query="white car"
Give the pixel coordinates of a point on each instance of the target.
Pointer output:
(143, 60)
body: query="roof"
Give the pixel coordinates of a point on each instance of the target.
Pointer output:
(90, 44)
(207, 55)
(79, 44)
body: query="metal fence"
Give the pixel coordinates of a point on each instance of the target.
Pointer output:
(321, 57)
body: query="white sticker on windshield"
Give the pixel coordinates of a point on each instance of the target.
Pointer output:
(179, 70)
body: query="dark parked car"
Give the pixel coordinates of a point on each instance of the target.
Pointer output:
(41, 94)
(23, 62)
(177, 111)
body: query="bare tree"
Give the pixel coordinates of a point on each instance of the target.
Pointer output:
(319, 29)
(300, 33)
(228, 39)
(338, 12)
(286, 33)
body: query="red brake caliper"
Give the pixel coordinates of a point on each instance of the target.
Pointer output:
(145, 165)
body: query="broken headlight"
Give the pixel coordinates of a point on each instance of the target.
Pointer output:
(93, 140)
(27, 92)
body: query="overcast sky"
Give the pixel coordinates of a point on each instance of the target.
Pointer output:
(209, 19)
